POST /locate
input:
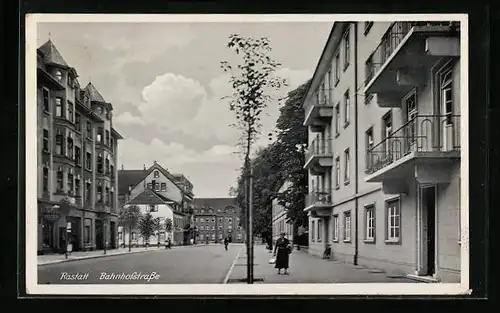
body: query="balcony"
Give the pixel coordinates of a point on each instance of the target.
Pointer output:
(319, 112)
(319, 203)
(319, 156)
(425, 148)
(405, 56)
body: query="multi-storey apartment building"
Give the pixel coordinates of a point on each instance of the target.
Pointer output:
(133, 183)
(216, 218)
(383, 111)
(279, 220)
(77, 151)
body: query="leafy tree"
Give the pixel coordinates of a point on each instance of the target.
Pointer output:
(168, 225)
(158, 227)
(147, 225)
(253, 81)
(129, 218)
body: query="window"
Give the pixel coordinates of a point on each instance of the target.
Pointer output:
(367, 27)
(369, 146)
(70, 182)
(108, 194)
(59, 185)
(163, 186)
(393, 221)
(46, 100)
(112, 196)
(70, 146)
(78, 122)
(59, 75)
(156, 174)
(70, 111)
(337, 172)
(89, 130)
(447, 96)
(149, 186)
(220, 235)
(319, 235)
(88, 161)
(46, 140)
(59, 107)
(100, 163)
(86, 231)
(337, 119)
(78, 156)
(370, 223)
(337, 68)
(99, 134)
(107, 137)
(387, 131)
(153, 208)
(335, 228)
(369, 71)
(88, 191)
(45, 178)
(347, 108)
(157, 186)
(112, 171)
(411, 114)
(99, 192)
(346, 166)
(347, 226)
(107, 165)
(59, 143)
(77, 186)
(70, 81)
(347, 49)
(112, 145)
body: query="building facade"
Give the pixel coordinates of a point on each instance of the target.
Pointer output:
(216, 218)
(134, 182)
(383, 112)
(280, 222)
(77, 155)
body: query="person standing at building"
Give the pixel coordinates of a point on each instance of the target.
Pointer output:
(226, 242)
(282, 250)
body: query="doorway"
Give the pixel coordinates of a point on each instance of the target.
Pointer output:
(99, 235)
(428, 209)
(112, 229)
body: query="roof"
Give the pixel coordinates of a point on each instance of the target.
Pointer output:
(128, 178)
(52, 55)
(93, 93)
(150, 197)
(214, 203)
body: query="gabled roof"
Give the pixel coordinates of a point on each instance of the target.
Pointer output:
(148, 197)
(93, 93)
(128, 178)
(52, 55)
(214, 203)
(132, 178)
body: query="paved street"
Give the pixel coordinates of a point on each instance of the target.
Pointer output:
(181, 265)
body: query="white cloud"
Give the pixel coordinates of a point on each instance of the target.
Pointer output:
(176, 103)
(127, 119)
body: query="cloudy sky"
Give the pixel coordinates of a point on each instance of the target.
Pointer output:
(165, 83)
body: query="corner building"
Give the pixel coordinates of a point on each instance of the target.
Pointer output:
(77, 156)
(383, 112)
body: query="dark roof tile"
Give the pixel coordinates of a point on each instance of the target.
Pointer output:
(147, 197)
(51, 54)
(127, 178)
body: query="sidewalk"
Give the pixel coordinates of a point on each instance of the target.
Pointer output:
(306, 269)
(75, 256)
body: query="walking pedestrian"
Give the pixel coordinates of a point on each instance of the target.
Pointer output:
(282, 250)
(226, 242)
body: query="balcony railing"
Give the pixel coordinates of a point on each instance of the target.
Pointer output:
(319, 198)
(424, 133)
(390, 42)
(319, 147)
(322, 98)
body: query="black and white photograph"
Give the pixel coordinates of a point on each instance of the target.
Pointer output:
(278, 154)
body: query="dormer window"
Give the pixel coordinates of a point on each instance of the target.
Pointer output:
(59, 75)
(156, 174)
(98, 110)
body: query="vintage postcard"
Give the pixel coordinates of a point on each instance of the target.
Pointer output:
(247, 154)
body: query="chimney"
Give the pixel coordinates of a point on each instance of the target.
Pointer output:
(144, 166)
(122, 167)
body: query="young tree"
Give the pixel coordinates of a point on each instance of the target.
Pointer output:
(146, 227)
(253, 81)
(168, 225)
(129, 218)
(158, 228)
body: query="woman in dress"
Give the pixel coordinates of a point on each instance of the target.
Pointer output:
(282, 250)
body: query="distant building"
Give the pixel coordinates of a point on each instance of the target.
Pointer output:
(280, 222)
(175, 191)
(76, 156)
(215, 218)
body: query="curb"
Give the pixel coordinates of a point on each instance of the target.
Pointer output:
(114, 254)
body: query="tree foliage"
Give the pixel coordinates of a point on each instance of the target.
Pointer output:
(129, 218)
(168, 225)
(281, 161)
(148, 225)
